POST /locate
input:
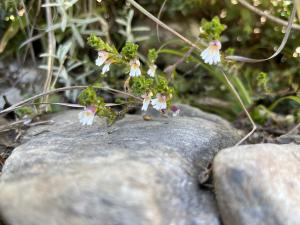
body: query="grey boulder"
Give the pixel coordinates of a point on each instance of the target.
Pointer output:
(133, 173)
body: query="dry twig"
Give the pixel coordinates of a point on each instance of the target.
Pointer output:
(51, 52)
(270, 17)
(26, 101)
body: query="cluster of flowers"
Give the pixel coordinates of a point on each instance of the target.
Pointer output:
(158, 103)
(210, 55)
(135, 71)
(86, 117)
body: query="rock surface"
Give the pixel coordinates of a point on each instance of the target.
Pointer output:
(189, 111)
(133, 173)
(258, 184)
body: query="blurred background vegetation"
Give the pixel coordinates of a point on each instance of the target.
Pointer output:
(270, 90)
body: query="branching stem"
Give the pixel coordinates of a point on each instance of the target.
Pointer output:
(26, 101)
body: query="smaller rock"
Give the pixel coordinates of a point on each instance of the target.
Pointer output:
(258, 184)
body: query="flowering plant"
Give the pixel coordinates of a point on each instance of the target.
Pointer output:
(144, 81)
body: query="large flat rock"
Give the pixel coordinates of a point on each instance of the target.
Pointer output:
(258, 184)
(133, 173)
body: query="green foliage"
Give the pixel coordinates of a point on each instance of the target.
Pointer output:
(24, 111)
(213, 29)
(229, 51)
(260, 114)
(262, 81)
(98, 44)
(139, 85)
(162, 86)
(295, 99)
(276, 90)
(298, 116)
(152, 55)
(104, 111)
(129, 51)
(88, 97)
(108, 113)
(142, 85)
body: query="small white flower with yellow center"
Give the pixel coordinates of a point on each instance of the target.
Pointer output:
(147, 100)
(211, 54)
(106, 66)
(160, 102)
(87, 116)
(102, 57)
(135, 70)
(152, 70)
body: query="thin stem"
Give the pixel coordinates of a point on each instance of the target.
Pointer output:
(18, 105)
(158, 17)
(163, 25)
(29, 33)
(173, 67)
(243, 106)
(270, 17)
(58, 72)
(51, 52)
(280, 48)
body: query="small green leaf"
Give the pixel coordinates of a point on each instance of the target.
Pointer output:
(9, 34)
(129, 51)
(212, 30)
(98, 44)
(152, 55)
(292, 98)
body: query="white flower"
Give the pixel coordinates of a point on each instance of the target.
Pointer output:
(147, 100)
(102, 57)
(135, 70)
(152, 70)
(160, 102)
(106, 67)
(211, 54)
(87, 116)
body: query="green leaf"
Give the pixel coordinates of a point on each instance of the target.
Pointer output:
(98, 44)
(9, 34)
(292, 98)
(77, 35)
(129, 51)
(152, 55)
(141, 85)
(213, 29)
(63, 50)
(88, 97)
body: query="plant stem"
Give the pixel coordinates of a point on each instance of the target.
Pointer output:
(51, 52)
(270, 17)
(17, 105)
(280, 48)
(243, 105)
(163, 25)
